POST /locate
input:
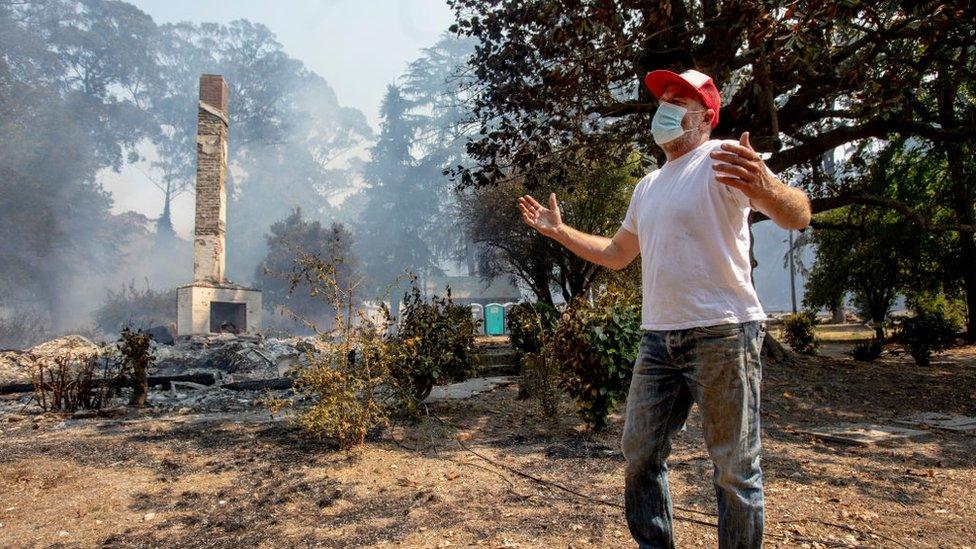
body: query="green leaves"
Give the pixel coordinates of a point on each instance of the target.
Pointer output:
(798, 332)
(529, 323)
(595, 347)
(927, 333)
(436, 341)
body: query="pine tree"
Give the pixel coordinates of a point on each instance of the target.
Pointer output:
(398, 211)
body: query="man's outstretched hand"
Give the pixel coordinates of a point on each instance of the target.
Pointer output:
(743, 169)
(545, 220)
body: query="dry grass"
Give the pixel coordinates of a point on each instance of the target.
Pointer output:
(245, 481)
(836, 333)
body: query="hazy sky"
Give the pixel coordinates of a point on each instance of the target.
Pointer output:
(357, 46)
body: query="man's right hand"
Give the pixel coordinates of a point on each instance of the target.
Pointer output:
(545, 220)
(615, 253)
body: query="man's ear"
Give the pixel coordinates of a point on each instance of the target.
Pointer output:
(708, 116)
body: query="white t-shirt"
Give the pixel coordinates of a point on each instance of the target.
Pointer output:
(694, 246)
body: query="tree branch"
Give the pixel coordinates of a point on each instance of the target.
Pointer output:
(820, 205)
(836, 137)
(626, 108)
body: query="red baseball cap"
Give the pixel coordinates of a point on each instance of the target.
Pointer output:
(694, 81)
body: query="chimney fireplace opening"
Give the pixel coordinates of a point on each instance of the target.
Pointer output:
(227, 318)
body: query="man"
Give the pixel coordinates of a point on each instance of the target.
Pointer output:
(702, 321)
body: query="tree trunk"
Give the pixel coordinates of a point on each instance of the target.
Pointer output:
(774, 353)
(962, 195)
(276, 384)
(962, 206)
(470, 259)
(164, 225)
(154, 381)
(968, 258)
(540, 287)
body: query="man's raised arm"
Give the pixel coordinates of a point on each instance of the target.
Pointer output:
(613, 253)
(744, 169)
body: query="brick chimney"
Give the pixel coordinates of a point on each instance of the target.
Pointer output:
(211, 208)
(211, 303)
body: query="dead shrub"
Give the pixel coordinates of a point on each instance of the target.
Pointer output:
(349, 381)
(131, 306)
(350, 385)
(73, 382)
(135, 358)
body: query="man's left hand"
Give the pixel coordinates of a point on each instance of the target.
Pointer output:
(741, 167)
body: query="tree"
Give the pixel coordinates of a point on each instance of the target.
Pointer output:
(422, 136)
(875, 255)
(84, 82)
(866, 262)
(181, 59)
(288, 132)
(594, 199)
(68, 108)
(289, 240)
(105, 68)
(394, 226)
(804, 77)
(434, 84)
(956, 110)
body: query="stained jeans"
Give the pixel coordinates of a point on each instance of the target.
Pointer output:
(717, 367)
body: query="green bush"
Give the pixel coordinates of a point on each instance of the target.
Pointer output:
(528, 323)
(953, 308)
(867, 351)
(595, 346)
(927, 333)
(436, 340)
(798, 332)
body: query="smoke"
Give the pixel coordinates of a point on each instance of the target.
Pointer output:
(99, 124)
(771, 276)
(96, 144)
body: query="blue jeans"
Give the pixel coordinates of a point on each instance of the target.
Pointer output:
(718, 367)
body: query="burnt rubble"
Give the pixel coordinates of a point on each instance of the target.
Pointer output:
(219, 372)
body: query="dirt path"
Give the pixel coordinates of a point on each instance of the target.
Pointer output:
(236, 481)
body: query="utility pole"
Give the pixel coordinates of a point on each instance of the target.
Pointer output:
(792, 274)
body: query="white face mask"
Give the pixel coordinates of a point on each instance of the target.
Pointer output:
(666, 124)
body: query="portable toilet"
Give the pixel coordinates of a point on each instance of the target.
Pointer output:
(494, 319)
(478, 316)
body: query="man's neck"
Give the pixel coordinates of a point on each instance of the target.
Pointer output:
(685, 148)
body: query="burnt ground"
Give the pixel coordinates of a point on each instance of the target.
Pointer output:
(242, 480)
